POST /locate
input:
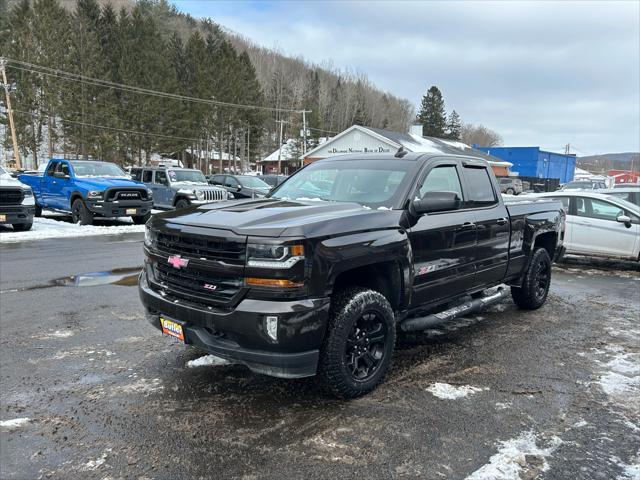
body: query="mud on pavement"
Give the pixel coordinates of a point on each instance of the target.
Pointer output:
(89, 390)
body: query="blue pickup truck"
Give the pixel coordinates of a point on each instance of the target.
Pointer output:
(89, 189)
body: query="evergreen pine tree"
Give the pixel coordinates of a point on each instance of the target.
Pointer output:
(432, 114)
(454, 126)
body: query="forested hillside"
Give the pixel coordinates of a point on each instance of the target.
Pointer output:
(122, 81)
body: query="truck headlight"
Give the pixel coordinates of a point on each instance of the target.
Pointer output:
(149, 193)
(149, 237)
(230, 196)
(28, 192)
(94, 194)
(274, 256)
(199, 194)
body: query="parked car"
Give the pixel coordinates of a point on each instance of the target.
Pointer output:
(630, 193)
(273, 180)
(16, 203)
(599, 225)
(584, 185)
(241, 186)
(510, 186)
(89, 189)
(294, 287)
(178, 187)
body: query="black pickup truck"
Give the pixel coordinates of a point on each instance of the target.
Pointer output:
(320, 276)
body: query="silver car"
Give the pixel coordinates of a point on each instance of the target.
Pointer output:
(178, 187)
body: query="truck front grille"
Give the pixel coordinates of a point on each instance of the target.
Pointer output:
(201, 247)
(11, 196)
(124, 194)
(197, 285)
(215, 195)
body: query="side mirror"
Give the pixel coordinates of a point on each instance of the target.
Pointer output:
(624, 219)
(239, 187)
(435, 202)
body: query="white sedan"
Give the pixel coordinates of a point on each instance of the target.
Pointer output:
(599, 225)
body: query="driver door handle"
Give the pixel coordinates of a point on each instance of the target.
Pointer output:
(466, 226)
(502, 221)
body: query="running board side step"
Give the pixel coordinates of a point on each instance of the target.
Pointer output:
(422, 323)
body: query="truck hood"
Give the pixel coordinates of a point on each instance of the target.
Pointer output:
(100, 183)
(275, 218)
(7, 180)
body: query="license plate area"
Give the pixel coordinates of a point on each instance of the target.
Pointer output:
(172, 328)
(130, 211)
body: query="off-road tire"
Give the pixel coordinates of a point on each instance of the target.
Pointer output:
(22, 227)
(348, 307)
(182, 203)
(80, 213)
(37, 210)
(141, 219)
(536, 282)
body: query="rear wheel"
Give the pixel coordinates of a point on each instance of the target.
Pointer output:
(22, 227)
(80, 213)
(359, 342)
(536, 282)
(182, 203)
(141, 219)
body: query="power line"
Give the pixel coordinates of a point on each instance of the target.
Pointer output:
(52, 72)
(122, 130)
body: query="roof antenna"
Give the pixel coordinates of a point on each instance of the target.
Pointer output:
(401, 152)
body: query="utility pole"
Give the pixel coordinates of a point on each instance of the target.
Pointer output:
(14, 139)
(281, 122)
(304, 135)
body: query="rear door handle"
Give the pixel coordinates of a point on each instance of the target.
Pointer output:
(502, 221)
(466, 226)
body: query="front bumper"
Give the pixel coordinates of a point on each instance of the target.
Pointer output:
(238, 335)
(119, 208)
(15, 214)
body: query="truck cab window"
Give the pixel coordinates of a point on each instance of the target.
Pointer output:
(147, 176)
(52, 168)
(136, 174)
(480, 189)
(161, 178)
(442, 179)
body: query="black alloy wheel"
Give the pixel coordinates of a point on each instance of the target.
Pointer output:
(365, 347)
(536, 282)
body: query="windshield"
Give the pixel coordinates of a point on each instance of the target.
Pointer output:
(577, 186)
(97, 169)
(193, 176)
(370, 183)
(253, 182)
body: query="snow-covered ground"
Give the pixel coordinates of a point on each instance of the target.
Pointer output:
(63, 228)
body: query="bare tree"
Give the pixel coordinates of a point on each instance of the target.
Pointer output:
(480, 135)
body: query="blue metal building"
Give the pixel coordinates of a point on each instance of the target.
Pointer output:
(533, 162)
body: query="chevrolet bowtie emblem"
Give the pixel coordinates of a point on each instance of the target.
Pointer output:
(177, 262)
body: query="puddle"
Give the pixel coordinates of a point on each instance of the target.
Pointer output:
(126, 277)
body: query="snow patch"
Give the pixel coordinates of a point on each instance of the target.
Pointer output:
(207, 361)
(14, 423)
(94, 464)
(513, 456)
(384, 208)
(48, 228)
(141, 386)
(452, 392)
(56, 334)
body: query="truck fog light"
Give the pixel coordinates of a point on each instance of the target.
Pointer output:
(271, 327)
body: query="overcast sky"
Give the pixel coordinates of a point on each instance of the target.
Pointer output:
(539, 73)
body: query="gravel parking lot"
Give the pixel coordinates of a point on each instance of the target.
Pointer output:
(89, 390)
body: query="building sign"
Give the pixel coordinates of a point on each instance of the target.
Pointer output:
(360, 150)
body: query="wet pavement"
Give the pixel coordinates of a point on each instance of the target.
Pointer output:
(89, 390)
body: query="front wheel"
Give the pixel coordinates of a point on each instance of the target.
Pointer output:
(358, 346)
(182, 203)
(141, 219)
(22, 227)
(536, 282)
(80, 213)
(510, 191)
